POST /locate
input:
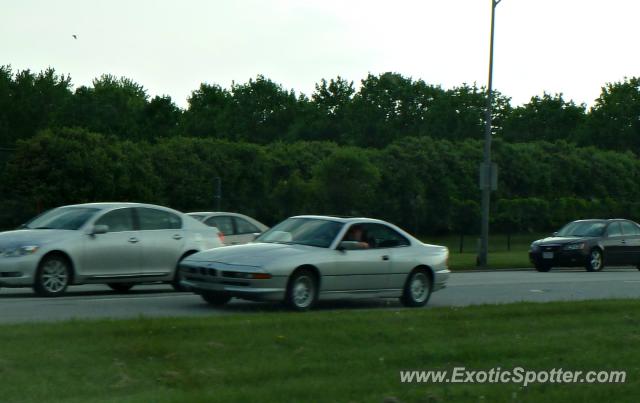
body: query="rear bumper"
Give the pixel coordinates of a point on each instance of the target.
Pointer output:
(561, 258)
(440, 278)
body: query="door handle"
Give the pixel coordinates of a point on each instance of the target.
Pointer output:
(385, 257)
(133, 240)
(177, 237)
(623, 242)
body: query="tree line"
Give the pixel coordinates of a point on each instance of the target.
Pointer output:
(384, 109)
(424, 184)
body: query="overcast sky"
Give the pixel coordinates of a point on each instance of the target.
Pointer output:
(170, 47)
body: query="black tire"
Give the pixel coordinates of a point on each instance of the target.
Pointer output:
(215, 298)
(638, 267)
(302, 291)
(417, 289)
(175, 283)
(53, 276)
(595, 260)
(121, 287)
(543, 268)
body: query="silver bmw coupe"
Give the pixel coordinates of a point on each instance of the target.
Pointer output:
(120, 244)
(309, 258)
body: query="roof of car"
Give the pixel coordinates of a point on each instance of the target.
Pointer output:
(109, 205)
(213, 213)
(341, 219)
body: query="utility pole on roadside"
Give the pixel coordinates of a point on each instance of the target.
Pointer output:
(488, 170)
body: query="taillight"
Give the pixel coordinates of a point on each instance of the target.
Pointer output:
(221, 237)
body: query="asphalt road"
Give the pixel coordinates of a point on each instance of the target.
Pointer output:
(492, 287)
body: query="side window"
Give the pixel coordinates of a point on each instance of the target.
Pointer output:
(245, 227)
(614, 229)
(223, 223)
(117, 220)
(152, 219)
(629, 228)
(381, 236)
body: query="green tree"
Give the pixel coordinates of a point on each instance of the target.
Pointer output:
(206, 112)
(614, 121)
(30, 102)
(112, 106)
(547, 118)
(345, 182)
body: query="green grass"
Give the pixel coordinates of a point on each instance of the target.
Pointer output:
(323, 356)
(504, 253)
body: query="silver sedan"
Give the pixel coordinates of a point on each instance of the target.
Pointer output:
(307, 258)
(237, 229)
(119, 244)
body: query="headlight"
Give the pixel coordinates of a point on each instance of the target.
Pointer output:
(20, 251)
(533, 246)
(574, 246)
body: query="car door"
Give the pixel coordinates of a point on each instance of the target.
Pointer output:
(613, 244)
(162, 240)
(631, 242)
(244, 231)
(225, 224)
(359, 270)
(116, 252)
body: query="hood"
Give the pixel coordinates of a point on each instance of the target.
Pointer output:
(23, 237)
(561, 240)
(252, 254)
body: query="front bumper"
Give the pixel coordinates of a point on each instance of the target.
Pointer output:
(18, 271)
(559, 257)
(202, 277)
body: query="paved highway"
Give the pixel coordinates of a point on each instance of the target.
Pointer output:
(491, 287)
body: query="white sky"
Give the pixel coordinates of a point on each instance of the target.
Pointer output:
(170, 47)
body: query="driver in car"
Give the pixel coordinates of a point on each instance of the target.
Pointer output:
(357, 234)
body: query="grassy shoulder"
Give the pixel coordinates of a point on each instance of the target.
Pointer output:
(505, 252)
(323, 356)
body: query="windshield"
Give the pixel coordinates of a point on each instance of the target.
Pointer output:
(303, 231)
(582, 229)
(69, 218)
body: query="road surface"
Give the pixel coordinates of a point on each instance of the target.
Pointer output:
(491, 287)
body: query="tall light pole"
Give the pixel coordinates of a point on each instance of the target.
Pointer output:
(487, 169)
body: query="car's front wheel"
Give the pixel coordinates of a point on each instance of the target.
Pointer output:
(595, 261)
(120, 287)
(53, 276)
(302, 291)
(417, 289)
(543, 268)
(215, 298)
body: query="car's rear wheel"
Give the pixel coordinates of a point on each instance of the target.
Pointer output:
(53, 276)
(543, 268)
(215, 298)
(302, 291)
(417, 289)
(175, 283)
(121, 287)
(595, 261)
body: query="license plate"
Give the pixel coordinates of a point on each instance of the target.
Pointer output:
(547, 255)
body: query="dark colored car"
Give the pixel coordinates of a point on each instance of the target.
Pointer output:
(589, 243)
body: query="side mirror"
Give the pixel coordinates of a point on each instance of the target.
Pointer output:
(350, 245)
(99, 229)
(555, 233)
(255, 235)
